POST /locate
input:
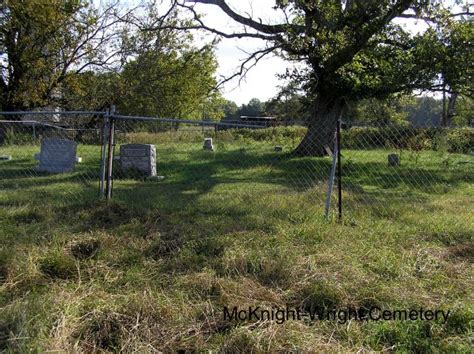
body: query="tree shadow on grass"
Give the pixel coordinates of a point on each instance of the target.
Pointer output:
(191, 174)
(186, 180)
(200, 174)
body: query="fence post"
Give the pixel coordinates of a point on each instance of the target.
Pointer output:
(110, 153)
(331, 178)
(103, 143)
(339, 169)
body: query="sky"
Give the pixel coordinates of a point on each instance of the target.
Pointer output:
(261, 81)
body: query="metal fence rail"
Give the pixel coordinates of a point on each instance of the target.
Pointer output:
(78, 157)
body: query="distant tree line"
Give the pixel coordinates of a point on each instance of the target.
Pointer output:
(418, 111)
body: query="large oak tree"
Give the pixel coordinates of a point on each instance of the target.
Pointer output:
(352, 49)
(44, 44)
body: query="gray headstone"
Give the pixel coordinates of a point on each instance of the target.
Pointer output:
(141, 157)
(278, 148)
(393, 160)
(5, 157)
(57, 155)
(208, 144)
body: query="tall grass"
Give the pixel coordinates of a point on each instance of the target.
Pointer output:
(241, 226)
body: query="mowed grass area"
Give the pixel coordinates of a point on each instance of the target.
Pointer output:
(243, 227)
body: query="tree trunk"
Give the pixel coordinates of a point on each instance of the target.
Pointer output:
(444, 117)
(451, 110)
(322, 128)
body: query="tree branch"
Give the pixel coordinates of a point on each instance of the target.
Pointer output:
(264, 28)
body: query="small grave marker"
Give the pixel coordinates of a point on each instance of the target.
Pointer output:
(141, 157)
(5, 157)
(328, 150)
(278, 148)
(393, 160)
(208, 144)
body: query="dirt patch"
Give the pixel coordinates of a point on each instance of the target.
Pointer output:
(464, 251)
(109, 215)
(5, 330)
(102, 332)
(85, 249)
(164, 249)
(3, 270)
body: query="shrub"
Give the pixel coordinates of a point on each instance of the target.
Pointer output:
(269, 134)
(458, 140)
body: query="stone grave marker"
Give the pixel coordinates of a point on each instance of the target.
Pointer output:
(141, 157)
(57, 155)
(208, 144)
(393, 160)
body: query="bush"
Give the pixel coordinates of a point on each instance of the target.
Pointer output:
(459, 140)
(274, 133)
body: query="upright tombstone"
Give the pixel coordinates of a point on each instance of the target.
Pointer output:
(393, 160)
(57, 155)
(208, 144)
(141, 157)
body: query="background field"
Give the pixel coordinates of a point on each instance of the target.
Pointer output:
(239, 226)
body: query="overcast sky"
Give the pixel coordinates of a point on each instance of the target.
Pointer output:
(261, 82)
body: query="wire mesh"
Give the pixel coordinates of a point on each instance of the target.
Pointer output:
(388, 169)
(60, 157)
(50, 157)
(244, 162)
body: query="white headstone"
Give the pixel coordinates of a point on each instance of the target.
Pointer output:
(208, 144)
(57, 155)
(141, 157)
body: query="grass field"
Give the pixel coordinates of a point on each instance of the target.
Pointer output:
(242, 227)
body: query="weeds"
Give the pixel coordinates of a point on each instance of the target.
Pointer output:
(152, 270)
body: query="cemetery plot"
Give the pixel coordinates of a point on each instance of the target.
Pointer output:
(49, 161)
(376, 169)
(241, 223)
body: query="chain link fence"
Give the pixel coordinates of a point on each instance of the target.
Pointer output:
(50, 157)
(387, 168)
(68, 157)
